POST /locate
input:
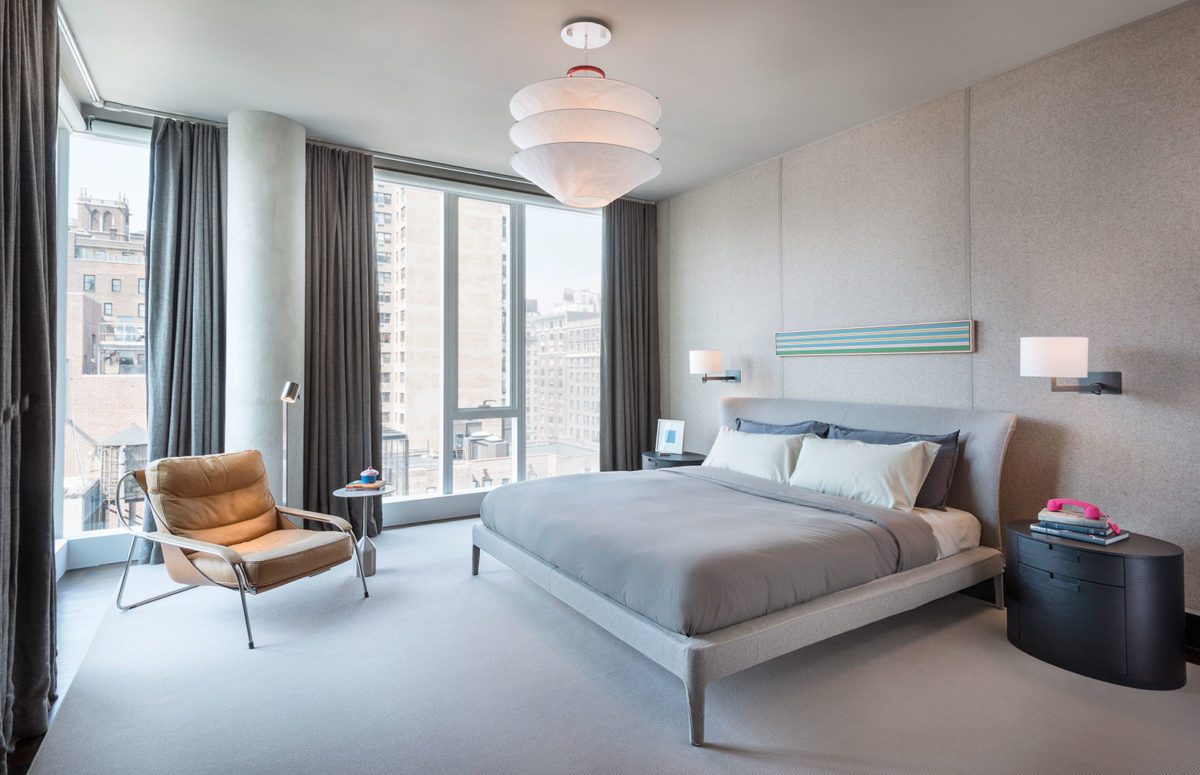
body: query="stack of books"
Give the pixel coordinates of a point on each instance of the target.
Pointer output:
(1066, 524)
(360, 485)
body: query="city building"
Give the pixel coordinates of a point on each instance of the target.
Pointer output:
(105, 358)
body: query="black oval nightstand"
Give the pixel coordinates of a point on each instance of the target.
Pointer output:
(1109, 612)
(653, 460)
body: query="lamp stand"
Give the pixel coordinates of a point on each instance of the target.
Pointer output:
(284, 492)
(730, 375)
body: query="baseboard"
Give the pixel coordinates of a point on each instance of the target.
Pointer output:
(1193, 631)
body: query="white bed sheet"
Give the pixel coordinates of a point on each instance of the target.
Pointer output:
(955, 530)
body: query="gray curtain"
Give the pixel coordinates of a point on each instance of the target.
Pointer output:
(185, 311)
(28, 126)
(629, 377)
(342, 425)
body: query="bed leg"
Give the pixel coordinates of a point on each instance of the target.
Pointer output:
(695, 698)
(474, 560)
(998, 591)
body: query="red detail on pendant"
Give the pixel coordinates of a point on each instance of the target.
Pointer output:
(585, 69)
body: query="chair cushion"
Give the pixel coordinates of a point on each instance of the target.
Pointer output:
(279, 556)
(220, 499)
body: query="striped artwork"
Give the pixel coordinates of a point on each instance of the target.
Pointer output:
(955, 336)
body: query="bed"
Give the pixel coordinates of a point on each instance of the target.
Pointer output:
(709, 572)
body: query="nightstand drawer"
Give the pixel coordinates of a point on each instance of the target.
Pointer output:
(1072, 619)
(1081, 564)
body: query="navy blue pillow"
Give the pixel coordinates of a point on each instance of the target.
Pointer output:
(808, 426)
(936, 488)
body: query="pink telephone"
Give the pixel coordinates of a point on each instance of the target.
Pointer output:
(1090, 511)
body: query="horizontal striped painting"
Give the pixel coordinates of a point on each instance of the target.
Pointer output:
(955, 336)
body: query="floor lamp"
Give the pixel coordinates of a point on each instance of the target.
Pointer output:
(291, 391)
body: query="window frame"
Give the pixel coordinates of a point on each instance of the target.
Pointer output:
(420, 507)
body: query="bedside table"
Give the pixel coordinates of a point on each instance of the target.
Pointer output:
(653, 460)
(1109, 612)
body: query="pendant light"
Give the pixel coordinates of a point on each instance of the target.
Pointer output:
(585, 139)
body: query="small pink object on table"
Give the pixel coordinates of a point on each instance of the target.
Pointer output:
(1089, 510)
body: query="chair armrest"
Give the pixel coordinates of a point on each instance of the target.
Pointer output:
(330, 519)
(191, 544)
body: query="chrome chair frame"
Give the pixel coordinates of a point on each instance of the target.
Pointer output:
(236, 563)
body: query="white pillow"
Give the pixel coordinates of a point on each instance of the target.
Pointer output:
(888, 475)
(765, 455)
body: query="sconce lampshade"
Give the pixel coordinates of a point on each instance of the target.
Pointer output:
(1054, 356)
(704, 361)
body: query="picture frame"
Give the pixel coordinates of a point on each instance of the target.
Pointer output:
(669, 439)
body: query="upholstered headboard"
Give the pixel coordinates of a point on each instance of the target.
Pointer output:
(983, 439)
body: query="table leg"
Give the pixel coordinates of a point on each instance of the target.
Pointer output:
(366, 548)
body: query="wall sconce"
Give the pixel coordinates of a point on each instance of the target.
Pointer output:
(1067, 357)
(704, 361)
(291, 392)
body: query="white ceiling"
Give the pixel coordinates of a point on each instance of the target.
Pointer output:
(739, 82)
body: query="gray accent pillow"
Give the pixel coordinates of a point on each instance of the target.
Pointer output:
(794, 429)
(936, 488)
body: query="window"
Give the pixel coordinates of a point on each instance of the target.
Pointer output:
(509, 372)
(382, 218)
(382, 257)
(104, 413)
(383, 237)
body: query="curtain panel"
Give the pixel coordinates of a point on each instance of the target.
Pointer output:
(28, 129)
(629, 375)
(342, 421)
(185, 325)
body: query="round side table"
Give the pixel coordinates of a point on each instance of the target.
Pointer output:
(366, 548)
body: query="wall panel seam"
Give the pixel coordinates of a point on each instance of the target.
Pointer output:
(782, 306)
(967, 256)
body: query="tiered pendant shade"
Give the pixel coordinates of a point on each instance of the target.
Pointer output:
(585, 140)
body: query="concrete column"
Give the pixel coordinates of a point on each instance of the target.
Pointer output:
(264, 327)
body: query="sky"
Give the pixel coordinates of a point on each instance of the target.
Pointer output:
(109, 169)
(562, 250)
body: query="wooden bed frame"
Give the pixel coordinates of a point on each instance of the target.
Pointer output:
(702, 659)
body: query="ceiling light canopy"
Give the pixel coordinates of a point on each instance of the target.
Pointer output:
(584, 139)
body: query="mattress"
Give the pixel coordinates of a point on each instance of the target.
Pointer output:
(698, 549)
(954, 530)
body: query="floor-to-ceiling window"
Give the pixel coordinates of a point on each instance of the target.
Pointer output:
(490, 328)
(104, 419)
(562, 341)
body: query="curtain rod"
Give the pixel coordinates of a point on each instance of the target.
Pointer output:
(452, 169)
(118, 107)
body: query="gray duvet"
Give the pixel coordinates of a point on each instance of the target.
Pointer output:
(697, 549)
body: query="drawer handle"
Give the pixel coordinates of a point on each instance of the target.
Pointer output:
(1063, 584)
(1071, 554)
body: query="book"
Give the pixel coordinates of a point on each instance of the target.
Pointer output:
(1077, 536)
(1069, 518)
(1105, 530)
(375, 485)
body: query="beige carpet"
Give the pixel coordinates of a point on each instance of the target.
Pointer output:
(442, 672)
